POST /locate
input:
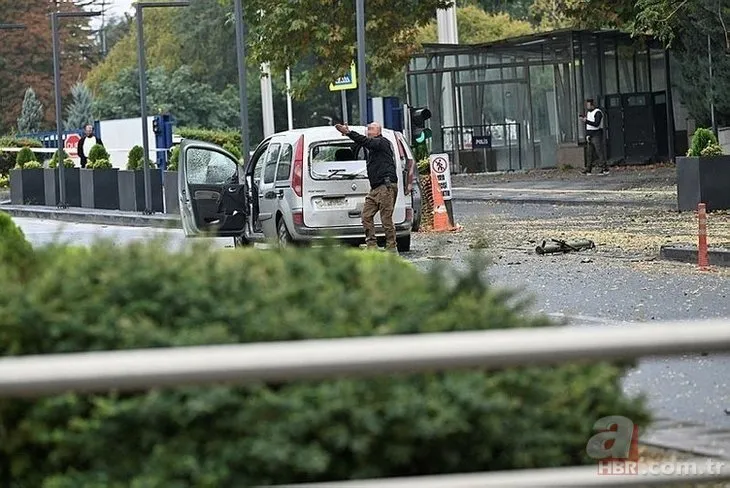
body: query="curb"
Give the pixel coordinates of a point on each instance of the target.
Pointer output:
(688, 437)
(688, 254)
(566, 202)
(166, 221)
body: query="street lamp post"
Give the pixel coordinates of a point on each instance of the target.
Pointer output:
(57, 82)
(143, 93)
(361, 88)
(242, 94)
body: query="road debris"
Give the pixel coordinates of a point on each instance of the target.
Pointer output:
(560, 246)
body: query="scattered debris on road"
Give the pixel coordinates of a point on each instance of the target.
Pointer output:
(560, 246)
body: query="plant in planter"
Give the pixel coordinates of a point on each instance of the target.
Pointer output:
(131, 183)
(99, 184)
(703, 176)
(26, 180)
(170, 183)
(98, 152)
(71, 176)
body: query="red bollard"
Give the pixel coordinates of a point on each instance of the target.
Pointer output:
(702, 257)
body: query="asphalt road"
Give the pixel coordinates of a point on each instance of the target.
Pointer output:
(603, 290)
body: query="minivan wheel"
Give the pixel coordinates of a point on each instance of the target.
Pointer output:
(404, 243)
(283, 235)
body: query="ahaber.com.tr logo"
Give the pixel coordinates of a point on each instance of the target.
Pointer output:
(616, 448)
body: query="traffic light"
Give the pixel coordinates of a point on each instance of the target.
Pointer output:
(156, 125)
(419, 132)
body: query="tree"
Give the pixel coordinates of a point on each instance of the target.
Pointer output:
(80, 112)
(475, 27)
(294, 30)
(27, 57)
(31, 115)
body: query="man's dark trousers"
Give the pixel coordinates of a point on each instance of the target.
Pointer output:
(596, 148)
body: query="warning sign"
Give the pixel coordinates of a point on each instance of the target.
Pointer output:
(71, 143)
(441, 169)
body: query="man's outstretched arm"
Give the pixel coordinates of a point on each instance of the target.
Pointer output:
(364, 141)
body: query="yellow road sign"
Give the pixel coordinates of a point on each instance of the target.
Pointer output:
(347, 82)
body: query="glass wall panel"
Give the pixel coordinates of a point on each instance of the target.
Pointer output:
(658, 73)
(642, 71)
(627, 83)
(591, 68)
(609, 67)
(567, 112)
(544, 115)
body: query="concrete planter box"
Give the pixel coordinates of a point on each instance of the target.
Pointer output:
(72, 177)
(100, 188)
(172, 204)
(131, 190)
(27, 187)
(703, 180)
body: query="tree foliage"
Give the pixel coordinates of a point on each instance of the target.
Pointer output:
(26, 57)
(81, 110)
(288, 32)
(31, 115)
(476, 26)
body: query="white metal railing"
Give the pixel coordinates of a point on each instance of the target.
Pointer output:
(28, 376)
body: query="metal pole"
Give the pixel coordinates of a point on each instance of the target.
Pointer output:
(289, 111)
(59, 130)
(143, 107)
(343, 97)
(243, 97)
(361, 84)
(712, 96)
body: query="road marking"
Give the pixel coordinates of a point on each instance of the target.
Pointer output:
(546, 190)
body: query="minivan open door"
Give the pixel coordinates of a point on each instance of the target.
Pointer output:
(212, 199)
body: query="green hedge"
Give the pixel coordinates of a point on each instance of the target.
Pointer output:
(143, 295)
(218, 137)
(8, 159)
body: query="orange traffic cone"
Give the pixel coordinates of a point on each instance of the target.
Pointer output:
(440, 215)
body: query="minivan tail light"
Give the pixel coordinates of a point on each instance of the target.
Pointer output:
(409, 215)
(296, 180)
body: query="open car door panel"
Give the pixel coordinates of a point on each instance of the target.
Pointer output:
(213, 201)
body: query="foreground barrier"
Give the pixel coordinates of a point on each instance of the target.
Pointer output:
(30, 376)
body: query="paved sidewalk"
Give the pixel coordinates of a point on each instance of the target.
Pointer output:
(93, 216)
(646, 186)
(641, 186)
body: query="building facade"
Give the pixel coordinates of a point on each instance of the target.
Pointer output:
(514, 104)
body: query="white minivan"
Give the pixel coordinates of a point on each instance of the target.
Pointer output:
(299, 185)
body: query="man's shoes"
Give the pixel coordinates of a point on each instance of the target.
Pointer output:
(604, 172)
(585, 172)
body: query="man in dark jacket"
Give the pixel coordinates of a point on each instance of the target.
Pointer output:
(383, 183)
(87, 141)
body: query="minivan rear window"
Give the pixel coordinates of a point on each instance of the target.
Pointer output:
(336, 160)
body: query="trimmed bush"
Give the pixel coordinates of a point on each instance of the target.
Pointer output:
(99, 164)
(712, 150)
(16, 254)
(4, 181)
(97, 152)
(134, 158)
(8, 160)
(218, 137)
(233, 149)
(67, 161)
(174, 157)
(108, 297)
(36, 165)
(25, 155)
(701, 139)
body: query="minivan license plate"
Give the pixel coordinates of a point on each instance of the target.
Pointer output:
(332, 202)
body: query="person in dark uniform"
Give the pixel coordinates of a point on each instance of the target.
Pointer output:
(87, 141)
(383, 183)
(594, 122)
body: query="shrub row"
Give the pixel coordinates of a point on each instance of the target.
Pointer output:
(105, 297)
(218, 137)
